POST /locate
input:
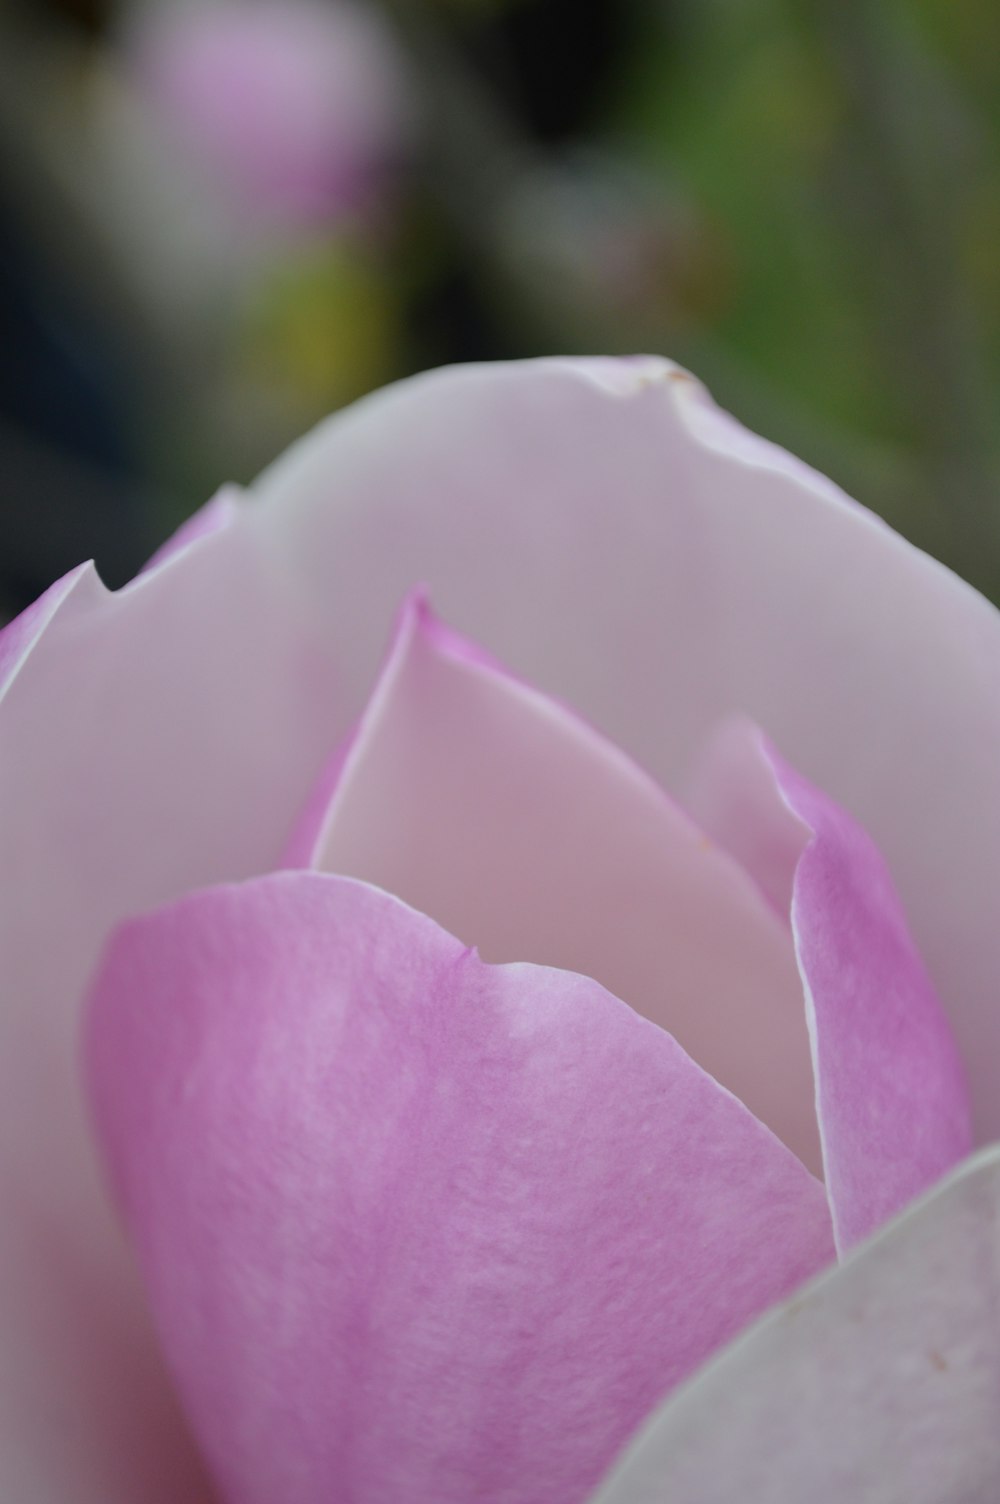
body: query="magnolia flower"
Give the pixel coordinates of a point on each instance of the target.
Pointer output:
(295, 109)
(475, 1047)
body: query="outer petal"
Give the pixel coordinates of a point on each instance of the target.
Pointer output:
(600, 525)
(416, 1227)
(149, 741)
(219, 513)
(485, 804)
(18, 637)
(879, 1385)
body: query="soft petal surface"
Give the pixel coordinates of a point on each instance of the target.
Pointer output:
(221, 512)
(19, 636)
(600, 524)
(891, 1089)
(414, 1226)
(878, 1385)
(733, 796)
(137, 758)
(495, 810)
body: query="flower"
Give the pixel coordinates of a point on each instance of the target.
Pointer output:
(298, 109)
(416, 1224)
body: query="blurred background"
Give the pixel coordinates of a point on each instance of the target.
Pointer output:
(221, 219)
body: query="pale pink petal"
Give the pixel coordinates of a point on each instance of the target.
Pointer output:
(149, 740)
(892, 1094)
(599, 526)
(878, 1385)
(221, 512)
(732, 795)
(19, 636)
(416, 1227)
(300, 849)
(490, 807)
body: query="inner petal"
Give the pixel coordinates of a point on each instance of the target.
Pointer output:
(495, 810)
(891, 1090)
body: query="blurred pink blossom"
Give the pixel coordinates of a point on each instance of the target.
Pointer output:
(299, 110)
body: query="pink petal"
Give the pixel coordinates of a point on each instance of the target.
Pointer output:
(416, 1227)
(734, 797)
(599, 525)
(19, 636)
(149, 740)
(484, 803)
(892, 1095)
(878, 1385)
(219, 513)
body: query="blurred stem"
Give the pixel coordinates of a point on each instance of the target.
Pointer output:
(903, 203)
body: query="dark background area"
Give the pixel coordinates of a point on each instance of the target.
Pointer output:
(799, 199)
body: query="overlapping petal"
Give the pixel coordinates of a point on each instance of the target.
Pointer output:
(877, 1385)
(891, 1091)
(137, 757)
(891, 1088)
(484, 803)
(415, 1226)
(601, 525)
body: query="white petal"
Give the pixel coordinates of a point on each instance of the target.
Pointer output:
(878, 1385)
